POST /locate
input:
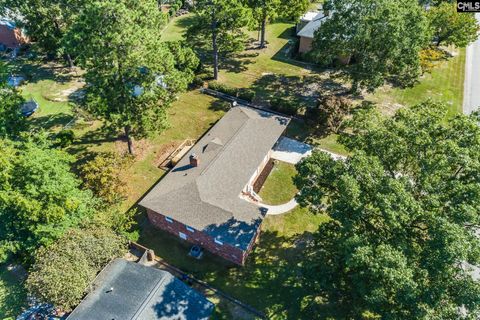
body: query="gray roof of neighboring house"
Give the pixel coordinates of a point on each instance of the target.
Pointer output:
(309, 30)
(141, 292)
(207, 197)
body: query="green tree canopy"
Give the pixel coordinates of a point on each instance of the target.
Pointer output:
(62, 272)
(450, 27)
(12, 122)
(405, 213)
(130, 74)
(46, 21)
(219, 28)
(374, 40)
(40, 198)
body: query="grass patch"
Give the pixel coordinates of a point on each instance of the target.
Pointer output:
(176, 28)
(444, 84)
(279, 187)
(13, 296)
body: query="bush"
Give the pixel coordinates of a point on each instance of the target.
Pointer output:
(330, 114)
(103, 176)
(246, 94)
(223, 88)
(65, 138)
(282, 105)
(197, 82)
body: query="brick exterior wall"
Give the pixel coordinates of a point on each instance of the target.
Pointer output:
(202, 239)
(305, 45)
(11, 38)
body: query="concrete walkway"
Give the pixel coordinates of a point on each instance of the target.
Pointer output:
(471, 97)
(291, 151)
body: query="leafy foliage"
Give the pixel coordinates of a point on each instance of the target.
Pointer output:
(12, 122)
(375, 41)
(103, 176)
(40, 198)
(64, 270)
(404, 212)
(452, 28)
(131, 74)
(46, 21)
(330, 114)
(218, 28)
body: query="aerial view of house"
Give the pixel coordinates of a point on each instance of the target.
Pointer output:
(208, 197)
(126, 290)
(250, 159)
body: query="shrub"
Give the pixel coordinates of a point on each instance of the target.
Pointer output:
(65, 138)
(330, 113)
(103, 176)
(282, 105)
(197, 82)
(223, 88)
(246, 94)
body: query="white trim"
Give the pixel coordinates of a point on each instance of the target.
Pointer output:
(190, 229)
(169, 219)
(182, 235)
(218, 242)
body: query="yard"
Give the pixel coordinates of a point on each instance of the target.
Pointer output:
(279, 188)
(269, 281)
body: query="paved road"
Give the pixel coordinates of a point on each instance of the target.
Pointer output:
(471, 100)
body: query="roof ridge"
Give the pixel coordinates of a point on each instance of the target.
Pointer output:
(224, 146)
(149, 297)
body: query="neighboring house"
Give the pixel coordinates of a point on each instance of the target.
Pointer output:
(11, 37)
(126, 290)
(204, 198)
(306, 28)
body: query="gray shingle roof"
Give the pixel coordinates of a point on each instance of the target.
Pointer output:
(207, 197)
(309, 30)
(141, 292)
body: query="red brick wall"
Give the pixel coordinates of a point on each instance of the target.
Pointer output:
(11, 38)
(226, 251)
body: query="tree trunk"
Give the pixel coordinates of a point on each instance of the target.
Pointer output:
(129, 140)
(215, 50)
(69, 60)
(262, 33)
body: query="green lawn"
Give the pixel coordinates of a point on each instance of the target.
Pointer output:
(176, 28)
(279, 187)
(444, 83)
(12, 294)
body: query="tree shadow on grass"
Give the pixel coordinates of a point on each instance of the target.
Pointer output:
(38, 70)
(270, 281)
(220, 105)
(304, 91)
(52, 121)
(237, 63)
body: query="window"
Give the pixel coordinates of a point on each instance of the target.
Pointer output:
(219, 242)
(190, 229)
(182, 235)
(169, 219)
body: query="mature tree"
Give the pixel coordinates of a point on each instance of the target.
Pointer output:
(450, 27)
(263, 12)
(405, 215)
(46, 21)
(63, 271)
(130, 73)
(40, 199)
(103, 176)
(375, 40)
(218, 27)
(293, 10)
(186, 60)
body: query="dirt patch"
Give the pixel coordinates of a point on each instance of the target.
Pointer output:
(141, 147)
(165, 150)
